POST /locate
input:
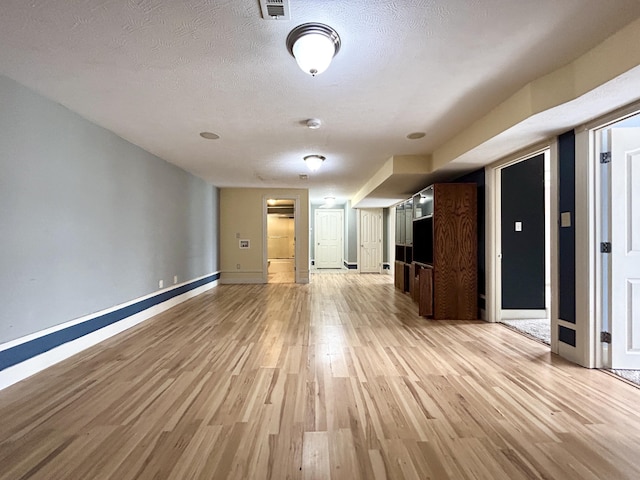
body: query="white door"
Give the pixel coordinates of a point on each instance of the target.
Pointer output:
(371, 241)
(328, 238)
(625, 248)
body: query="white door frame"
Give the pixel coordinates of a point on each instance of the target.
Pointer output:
(588, 237)
(359, 249)
(315, 232)
(296, 223)
(493, 247)
(599, 354)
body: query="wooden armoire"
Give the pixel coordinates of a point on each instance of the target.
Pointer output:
(445, 260)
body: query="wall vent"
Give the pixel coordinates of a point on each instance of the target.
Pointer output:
(275, 9)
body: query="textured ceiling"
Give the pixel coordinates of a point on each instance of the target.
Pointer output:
(158, 72)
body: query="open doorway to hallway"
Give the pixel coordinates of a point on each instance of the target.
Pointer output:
(523, 270)
(281, 241)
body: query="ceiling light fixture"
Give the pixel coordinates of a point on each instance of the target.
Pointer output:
(314, 161)
(313, 45)
(329, 200)
(209, 135)
(416, 135)
(314, 123)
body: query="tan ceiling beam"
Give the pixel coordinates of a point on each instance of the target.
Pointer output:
(396, 165)
(613, 57)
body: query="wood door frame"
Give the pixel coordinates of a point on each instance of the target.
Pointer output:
(359, 249)
(296, 228)
(315, 232)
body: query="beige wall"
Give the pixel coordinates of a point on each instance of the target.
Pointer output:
(242, 213)
(281, 234)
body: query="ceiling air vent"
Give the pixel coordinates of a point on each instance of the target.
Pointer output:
(275, 9)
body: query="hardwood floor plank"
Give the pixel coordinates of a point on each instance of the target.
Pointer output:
(315, 456)
(338, 379)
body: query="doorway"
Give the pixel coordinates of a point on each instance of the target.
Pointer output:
(522, 271)
(370, 241)
(329, 243)
(618, 252)
(281, 241)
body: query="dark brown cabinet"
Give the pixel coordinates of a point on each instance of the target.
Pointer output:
(443, 278)
(425, 289)
(399, 275)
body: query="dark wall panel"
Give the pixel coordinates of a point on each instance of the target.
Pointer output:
(567, 235)
(566, 335)
(523, 252)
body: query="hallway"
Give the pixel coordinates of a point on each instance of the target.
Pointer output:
(335, 379)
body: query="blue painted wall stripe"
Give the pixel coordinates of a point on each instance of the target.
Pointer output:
(25, 351)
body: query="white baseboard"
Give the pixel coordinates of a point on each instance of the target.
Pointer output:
(524, 314)
(241, 281)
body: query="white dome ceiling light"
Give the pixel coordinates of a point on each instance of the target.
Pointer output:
(313, 45)
(314, 161)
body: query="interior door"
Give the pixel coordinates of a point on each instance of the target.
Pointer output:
(625, 248)
(371, 241)
(328, 238)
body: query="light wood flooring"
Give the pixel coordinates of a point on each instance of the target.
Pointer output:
(338, 379)
(281, 270)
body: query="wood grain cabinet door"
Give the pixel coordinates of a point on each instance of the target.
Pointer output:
(425, 302)
(399, 275)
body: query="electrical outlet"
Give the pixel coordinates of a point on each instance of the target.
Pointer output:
(161, 284)
(237, 266)
(175, 279)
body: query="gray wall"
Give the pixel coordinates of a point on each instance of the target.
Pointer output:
(312, 232)
(385, 235)
(351, 214)
(345, 253)
(88, 220)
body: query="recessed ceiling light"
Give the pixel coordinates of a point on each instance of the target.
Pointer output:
(314, 123)
(209, 135)
(416, 135)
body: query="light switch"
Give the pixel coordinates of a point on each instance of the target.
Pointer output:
(518, 226)
(565, 219)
